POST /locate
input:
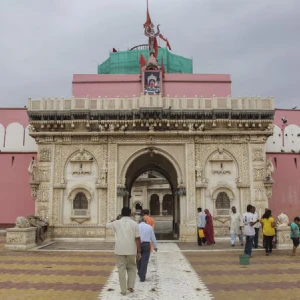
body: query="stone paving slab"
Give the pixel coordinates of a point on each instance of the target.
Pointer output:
(80, 274)
(266, 277)
(79, 246)
(47, 275)
(169, 276)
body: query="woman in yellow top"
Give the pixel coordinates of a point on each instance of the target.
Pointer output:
(268, 224)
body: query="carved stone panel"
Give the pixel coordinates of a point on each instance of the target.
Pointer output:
(44, 154)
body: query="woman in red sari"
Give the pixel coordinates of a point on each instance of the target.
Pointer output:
(209, 228)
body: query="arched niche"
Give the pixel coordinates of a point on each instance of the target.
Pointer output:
(222, 197)
(81, 167)
(2, 133)
(292, 138)
(80, 175)
(154, 205)
(221, 169)
(29, 142)
(14, 137)
(167, 205)
(138, 206)
(80, 198)
(274, 142)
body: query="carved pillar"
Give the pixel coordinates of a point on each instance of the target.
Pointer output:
(122, 198)
(112, 179)
(181, 195)
(160, 204)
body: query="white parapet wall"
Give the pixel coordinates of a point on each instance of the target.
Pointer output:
(151, 101)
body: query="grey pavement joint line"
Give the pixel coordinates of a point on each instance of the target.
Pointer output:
(169, 276)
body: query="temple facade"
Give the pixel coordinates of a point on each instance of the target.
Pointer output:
(151, 137)
(91, 151)
(93, 147)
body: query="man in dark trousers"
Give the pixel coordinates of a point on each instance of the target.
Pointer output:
(147, 236)
(127, 248)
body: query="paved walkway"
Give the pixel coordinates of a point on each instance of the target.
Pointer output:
(91, 275)
(169, 276)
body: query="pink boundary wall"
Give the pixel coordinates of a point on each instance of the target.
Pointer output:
(286, 189)
(10, 115)
(188, 85)
(15, 197)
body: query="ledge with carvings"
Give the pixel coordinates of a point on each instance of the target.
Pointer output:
(151, 101)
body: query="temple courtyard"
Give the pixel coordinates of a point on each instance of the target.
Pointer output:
(87, 271)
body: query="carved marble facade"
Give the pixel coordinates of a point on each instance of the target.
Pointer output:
(219, 166)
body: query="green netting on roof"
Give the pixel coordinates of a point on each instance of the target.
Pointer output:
(127, 62)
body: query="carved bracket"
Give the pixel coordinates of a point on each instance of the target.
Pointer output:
(201, 185)
(34, 188)
(268, 186)
(122, 192)
(181, 191)
(59, 186)
(101, 186)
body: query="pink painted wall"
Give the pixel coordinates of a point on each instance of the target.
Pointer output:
(188, 85)
(286, 189)
(15, 197)
(10, 115)
(292, 116)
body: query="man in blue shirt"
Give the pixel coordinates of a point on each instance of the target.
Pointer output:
(147, 235)
(295, 234)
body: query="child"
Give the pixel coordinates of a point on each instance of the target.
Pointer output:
(295, 234)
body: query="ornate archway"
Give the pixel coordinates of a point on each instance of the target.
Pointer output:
(150, 159)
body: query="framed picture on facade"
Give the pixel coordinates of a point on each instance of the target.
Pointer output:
(152, 83)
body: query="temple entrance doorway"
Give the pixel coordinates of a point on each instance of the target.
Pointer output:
(151, 183)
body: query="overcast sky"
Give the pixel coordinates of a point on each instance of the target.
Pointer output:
(44, 42)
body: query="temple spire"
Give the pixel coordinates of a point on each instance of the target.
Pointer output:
(152, 35)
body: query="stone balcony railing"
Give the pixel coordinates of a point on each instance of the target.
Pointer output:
(151, 101)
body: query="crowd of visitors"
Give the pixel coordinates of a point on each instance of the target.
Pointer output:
(136, 240)
(247, 225)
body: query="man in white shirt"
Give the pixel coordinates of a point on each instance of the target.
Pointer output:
(249, 221)
(127, 248)
(201, 224)
(256, 228)
(236, 223)
(147, 236)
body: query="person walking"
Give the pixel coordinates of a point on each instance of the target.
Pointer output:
(127, 248)
(201, 224)
(249, 221)
(236, 223)
(268, 223)
(256, 228)
(147, 236)
(209, 228)
(295, 234)
(150, 221)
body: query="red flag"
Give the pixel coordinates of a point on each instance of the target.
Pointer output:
(155, 47)
(115, 50)
(142, 60)
(163, 67)
(148, 18)
(166, 40)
